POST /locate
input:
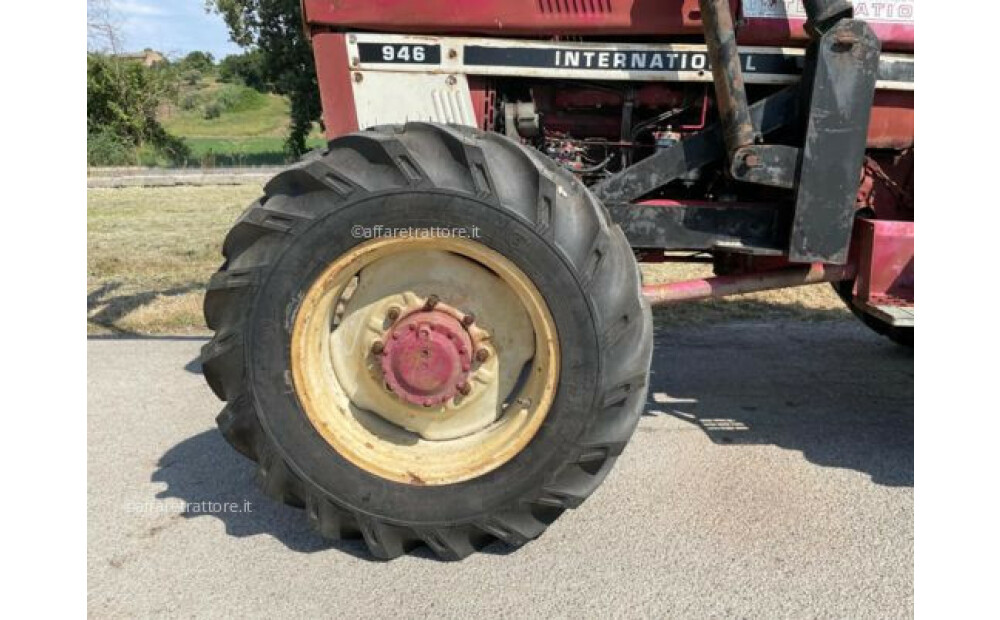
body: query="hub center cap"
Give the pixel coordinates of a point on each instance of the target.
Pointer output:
(427, 358)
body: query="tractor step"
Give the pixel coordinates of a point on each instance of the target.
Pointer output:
(897, 316)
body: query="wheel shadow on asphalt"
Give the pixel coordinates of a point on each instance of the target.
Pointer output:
(835, 392)
(213, 480)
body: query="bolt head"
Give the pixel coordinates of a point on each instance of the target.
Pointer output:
(393, 313)
(468, 319)
(464, 388)
(432, 301)
(482, 355)
(377, 347)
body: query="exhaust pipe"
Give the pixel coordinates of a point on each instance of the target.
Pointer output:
(727, 73)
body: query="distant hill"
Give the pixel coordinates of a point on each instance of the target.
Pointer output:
(228, 124)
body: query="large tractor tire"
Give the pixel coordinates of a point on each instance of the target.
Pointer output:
(428, 335)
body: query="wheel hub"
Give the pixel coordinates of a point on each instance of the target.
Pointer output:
(427, 358)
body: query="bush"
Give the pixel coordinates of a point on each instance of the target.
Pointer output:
(189, 102)
(104, 148)
(226, 98)
(212, 110)
(231, 98)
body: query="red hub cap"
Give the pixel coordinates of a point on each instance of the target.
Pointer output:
(427, 358)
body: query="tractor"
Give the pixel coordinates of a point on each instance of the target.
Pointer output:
(434, 330)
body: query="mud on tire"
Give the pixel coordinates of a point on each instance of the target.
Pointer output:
(527, 209)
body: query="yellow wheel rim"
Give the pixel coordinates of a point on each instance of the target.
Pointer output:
(337, 379)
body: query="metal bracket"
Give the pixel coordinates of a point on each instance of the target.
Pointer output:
(766, 164)
(841, 88)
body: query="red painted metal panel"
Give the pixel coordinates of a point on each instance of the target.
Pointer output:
(891, 124)
(334, 74)
(583, 17)
(511, 17)
(895, 35)
(885, 269)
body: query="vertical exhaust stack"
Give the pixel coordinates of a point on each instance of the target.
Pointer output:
(727, 73)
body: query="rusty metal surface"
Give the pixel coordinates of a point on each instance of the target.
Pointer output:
(426, 357)
(723, 286)
(727, 74)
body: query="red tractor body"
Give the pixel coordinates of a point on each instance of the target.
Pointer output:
(434, 331)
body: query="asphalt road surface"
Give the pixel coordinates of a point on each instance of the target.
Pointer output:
(772, 477)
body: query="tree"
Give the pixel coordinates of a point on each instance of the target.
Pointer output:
(103, 28)
(198, 61)
(246, 69)
(274, 29)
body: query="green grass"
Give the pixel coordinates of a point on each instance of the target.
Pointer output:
(236, 151)
(253, 114)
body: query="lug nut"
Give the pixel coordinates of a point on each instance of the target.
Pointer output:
(377, 347)
(482, 355)
(464, 388)
(431, 302)
(392, 314)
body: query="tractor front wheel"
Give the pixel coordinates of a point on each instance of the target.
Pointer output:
(428, 335)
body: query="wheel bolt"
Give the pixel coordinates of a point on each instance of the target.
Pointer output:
(431, 302)
(482, 355)
(393, 313)
(468, 319)
(464, 388)
(377, 347)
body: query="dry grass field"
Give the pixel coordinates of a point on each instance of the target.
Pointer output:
(151, 250)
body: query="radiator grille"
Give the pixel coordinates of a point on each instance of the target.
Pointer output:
(569, 7)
